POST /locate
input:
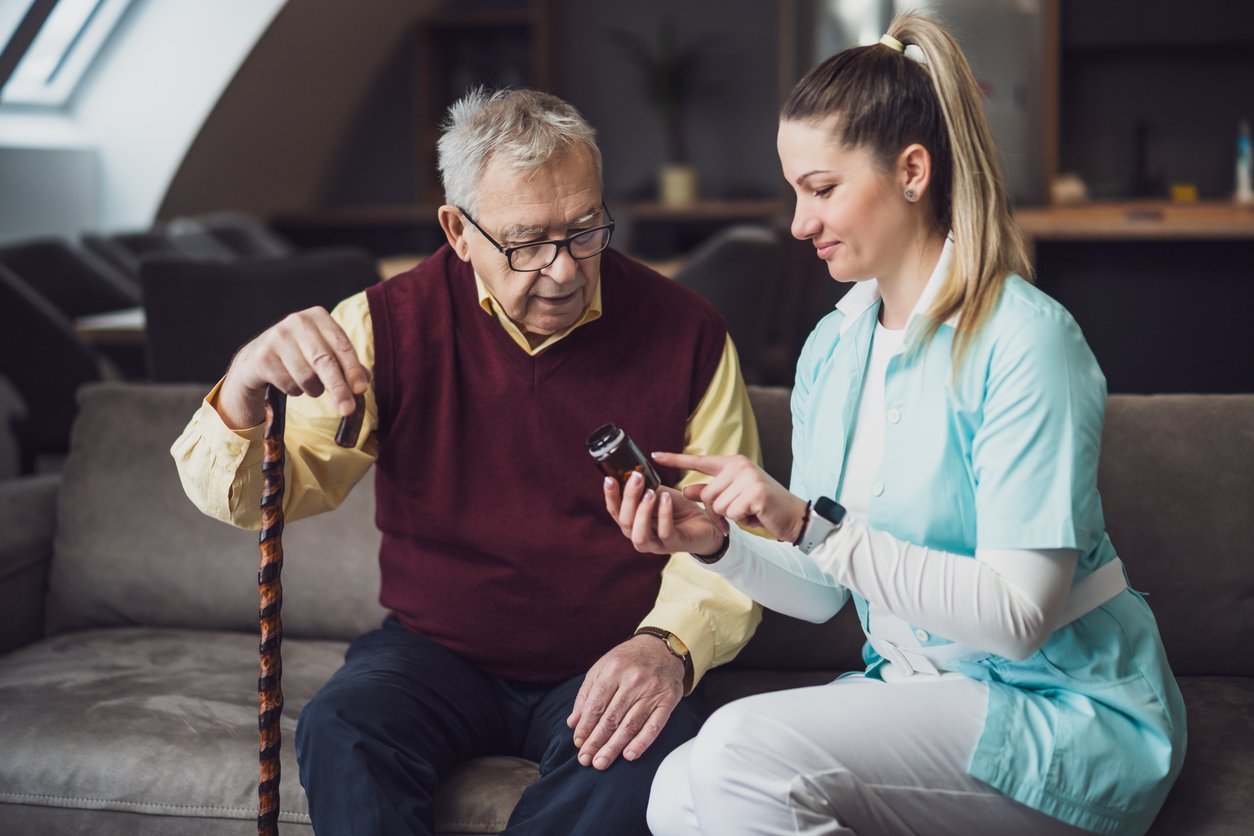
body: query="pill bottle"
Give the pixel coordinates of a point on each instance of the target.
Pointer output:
(618, 456)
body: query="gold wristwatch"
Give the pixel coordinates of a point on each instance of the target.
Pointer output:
(677, 648)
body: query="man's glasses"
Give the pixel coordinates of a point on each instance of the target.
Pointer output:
(528, 258)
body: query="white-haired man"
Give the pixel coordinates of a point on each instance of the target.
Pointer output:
(521, 622)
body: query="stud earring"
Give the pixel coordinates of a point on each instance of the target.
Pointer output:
(912, 195)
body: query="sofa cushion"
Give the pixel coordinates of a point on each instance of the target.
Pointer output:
(783, 643)
(160, 722)
(130, 547)
(773, 411)
(480, 794)
(163, 723)
(27, 521)
(1215, 791)
(1176, 484)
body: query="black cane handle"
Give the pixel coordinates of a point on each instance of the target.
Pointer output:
(270, 586)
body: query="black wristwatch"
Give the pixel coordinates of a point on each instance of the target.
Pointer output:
(823, 519)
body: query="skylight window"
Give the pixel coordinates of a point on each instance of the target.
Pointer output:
(11, 14)
(62, 51)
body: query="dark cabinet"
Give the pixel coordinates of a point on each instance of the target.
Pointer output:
(1150, 94)
(494, 45)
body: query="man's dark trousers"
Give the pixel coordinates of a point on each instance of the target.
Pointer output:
(403, 711)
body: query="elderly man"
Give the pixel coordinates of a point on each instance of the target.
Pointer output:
(517, 611)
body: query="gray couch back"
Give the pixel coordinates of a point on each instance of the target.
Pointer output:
(131, 549)
(1177, 481)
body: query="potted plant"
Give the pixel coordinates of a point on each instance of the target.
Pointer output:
(669, 74)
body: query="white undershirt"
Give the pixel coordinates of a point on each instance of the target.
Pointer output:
(866, 448)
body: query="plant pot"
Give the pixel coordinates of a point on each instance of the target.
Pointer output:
(677, 184)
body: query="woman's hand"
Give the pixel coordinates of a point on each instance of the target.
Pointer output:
(740, 490)
(662, 521)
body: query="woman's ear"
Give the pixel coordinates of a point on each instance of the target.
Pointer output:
(455, 230)
(914, 171)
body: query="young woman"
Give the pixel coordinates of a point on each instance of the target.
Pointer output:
(946, 428)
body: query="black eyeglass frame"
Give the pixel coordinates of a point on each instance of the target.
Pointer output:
(560, 243)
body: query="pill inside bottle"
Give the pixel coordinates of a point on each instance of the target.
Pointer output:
(618, 456)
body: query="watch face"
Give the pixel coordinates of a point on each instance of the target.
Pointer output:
(676, 646)
(829, 509)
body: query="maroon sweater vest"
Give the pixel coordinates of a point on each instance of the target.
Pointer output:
(496, 541)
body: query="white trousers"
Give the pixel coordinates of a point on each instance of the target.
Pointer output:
(857, 756)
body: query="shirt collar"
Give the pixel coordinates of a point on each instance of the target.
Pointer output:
(864, 295)
(493, 308)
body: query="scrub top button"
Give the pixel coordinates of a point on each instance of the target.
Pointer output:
(921, 634)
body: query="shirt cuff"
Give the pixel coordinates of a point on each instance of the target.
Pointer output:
(692, 628)
(246, 447)
(221, 432)
(734, 556)
(233, 454)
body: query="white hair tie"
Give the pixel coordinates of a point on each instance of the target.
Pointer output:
(911, 51)
(892, 43)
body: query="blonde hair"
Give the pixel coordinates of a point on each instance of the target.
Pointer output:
(885, 101)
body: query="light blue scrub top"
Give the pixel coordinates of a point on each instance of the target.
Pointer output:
(1091, 728)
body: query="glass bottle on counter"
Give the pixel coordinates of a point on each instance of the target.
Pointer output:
(1245, 164)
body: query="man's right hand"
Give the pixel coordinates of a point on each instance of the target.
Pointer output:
(306, 353)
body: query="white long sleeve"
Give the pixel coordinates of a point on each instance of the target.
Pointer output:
(1005, 601)
(780, 577)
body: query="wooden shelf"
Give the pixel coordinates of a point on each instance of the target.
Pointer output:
(1137, 220)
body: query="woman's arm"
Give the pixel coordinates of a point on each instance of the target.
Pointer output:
(1005, 601)
(779, 577)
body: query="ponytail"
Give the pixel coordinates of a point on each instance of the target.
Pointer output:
(887, 101)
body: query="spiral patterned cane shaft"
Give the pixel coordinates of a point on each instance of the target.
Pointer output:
(269, 583)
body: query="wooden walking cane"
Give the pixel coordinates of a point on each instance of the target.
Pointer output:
(269, 583)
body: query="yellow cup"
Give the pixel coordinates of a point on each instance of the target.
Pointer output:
(1184, 193)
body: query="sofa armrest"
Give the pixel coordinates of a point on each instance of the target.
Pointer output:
(28, 511)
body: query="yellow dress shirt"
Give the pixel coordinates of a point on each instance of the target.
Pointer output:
(221, 473)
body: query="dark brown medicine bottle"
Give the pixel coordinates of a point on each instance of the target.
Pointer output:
(618, 456)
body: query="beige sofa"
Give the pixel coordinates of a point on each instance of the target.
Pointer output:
(128, 654)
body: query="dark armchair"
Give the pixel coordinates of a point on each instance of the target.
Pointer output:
(45, 364)
(74, 281)
(770, 288)
(198, 313)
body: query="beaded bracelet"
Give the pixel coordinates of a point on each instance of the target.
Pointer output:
(805, 521)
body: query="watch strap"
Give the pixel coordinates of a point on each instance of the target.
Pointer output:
(673, 644)
(825, 518)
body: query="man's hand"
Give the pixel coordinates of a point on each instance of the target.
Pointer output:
(662, 521)
(305, 353)
(625, 700)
